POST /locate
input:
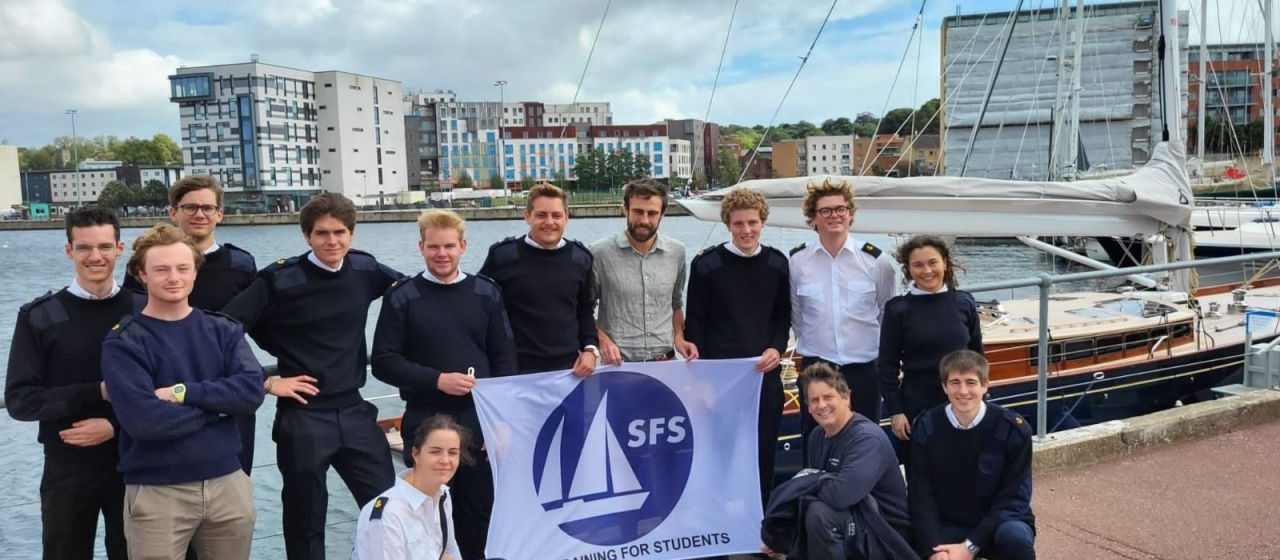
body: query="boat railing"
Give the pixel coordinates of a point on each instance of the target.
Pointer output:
(1044, 284)
(1151, 353)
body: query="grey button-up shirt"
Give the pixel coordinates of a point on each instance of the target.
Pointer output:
(638, 294)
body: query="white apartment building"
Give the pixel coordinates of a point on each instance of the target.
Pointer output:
(270, 132)
(650, 140)
(829, 155)
(10, 181)
(582, 113)
(541, 153)
(94, 176)
(680, 158)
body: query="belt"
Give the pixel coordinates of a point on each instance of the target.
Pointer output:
(669, 354)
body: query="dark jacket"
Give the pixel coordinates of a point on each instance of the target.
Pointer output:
(784, 517)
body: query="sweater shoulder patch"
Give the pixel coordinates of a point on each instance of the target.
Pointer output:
(401, 292)
(1019, 425)
(504, 251)
(361, 260)
(796, 249)
(581, 255)
(45, 311)
(777, 259)
(871, 250)
(241, 259)
(121, 328)
(487, 286)
(379, 506)
(281, 263)
(222, 319)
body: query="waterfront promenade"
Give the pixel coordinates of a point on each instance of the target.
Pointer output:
(1213, 497)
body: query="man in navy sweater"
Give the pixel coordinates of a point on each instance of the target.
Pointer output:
(858, 461)
(546, 284)
(970, 472)
(195, 206)
(177, 376)
(55, 378)
(438, 332)
(739, 306)
(310, 312)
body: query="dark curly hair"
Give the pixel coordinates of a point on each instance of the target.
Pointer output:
(445, 422)
(903, 256)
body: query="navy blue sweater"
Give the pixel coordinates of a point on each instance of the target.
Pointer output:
(427, 328)
(738, 306)
(548, 298)
(975, 478)
(168, 443)
(864, 463)
(916, 332)
(312, 320)
(225, 273)
(53, 372)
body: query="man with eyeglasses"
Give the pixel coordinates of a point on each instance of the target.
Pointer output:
(195, 206)
(55, 378)
(838, 290)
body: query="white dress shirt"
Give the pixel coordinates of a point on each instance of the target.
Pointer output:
(77, 290)
(426, 274)
(529, 241)
(311, 256)
(977, 419)
(837, 301)
(409, 526)
(735, 250)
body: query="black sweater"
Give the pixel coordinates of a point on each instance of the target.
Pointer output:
(738, 307)
(864, 464)
(313, 321)
(976, 478)
(225, 273)
(427, 328)
(54, 365)
(548, 298)
(917, 331)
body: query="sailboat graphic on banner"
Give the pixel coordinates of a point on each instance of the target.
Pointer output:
(603, 482)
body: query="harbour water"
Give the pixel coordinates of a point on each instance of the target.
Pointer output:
(32, 262)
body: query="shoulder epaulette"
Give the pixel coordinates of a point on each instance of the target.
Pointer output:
(220, 316)
(871, 250)
(491, 281)
(379, 505)
(241, 258)
(505, 241)
(281, 263)
(796, 249)
(706, 250)
(122, 324)
(36, 302)
(1016, 419)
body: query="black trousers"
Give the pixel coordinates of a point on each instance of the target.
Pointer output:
(471, 488)
(309, 441)
(73, 492)
(864, 382)
(771, 402)
(247, 424)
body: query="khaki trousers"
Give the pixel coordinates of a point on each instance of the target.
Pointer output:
(215, 516)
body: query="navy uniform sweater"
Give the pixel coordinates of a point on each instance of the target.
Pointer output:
(864, 464)
(976, 478)
(168, 443)
(225, 273)
(548, 298)
(54, 371)
(737, 307)
(917, 331)
(313, 320)
(427, 328)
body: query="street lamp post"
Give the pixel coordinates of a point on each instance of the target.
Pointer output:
(502, 112)
(75, 155)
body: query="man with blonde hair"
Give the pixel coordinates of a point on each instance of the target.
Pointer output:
(739, 306)
(546, 281)
(438, 332)
(838, 290)
(177, 376)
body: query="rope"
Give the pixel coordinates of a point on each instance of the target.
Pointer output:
(707, 115)
(915, 28)
(590, 53)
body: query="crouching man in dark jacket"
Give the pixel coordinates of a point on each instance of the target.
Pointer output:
(971, 472)
(854, 504)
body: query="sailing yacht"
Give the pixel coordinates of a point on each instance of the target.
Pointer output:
(603, 482)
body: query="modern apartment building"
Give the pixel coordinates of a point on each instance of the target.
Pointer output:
(65, 188)
(704, 137)
(790, 158)
(582, 113)
(1119, 103)
(648, 139)
(829, 155)
(270, 133)
(1234, 87)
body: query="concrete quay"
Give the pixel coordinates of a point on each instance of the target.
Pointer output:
(1197, 481)
(366, 216)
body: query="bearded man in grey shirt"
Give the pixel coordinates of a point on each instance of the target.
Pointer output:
(639, 282)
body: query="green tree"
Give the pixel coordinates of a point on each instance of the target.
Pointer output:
(465, 182)
(116, 195)
(894, 119)
(677, 183)
(837, 127)
(864, 130)
(699, 182)
(589, 167)
(166, 147)
(929, 111)
(726, 168)
(527, 182)
(561, 181)
(496, 182)
(643, 167)
(30, 159)
(154, 194)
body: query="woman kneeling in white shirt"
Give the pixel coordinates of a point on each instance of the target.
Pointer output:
(414, 518)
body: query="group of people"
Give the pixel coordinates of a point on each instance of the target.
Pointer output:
(146, 395)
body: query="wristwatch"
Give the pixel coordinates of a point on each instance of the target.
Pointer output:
(973, 548)
(179, 392)
(593, 349)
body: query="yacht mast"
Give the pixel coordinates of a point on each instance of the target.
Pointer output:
(1073, 134)
(1268, 99)
(1204, 102)
(1059, 99)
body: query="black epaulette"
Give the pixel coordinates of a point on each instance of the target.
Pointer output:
(1018, 423)
(796, 249)
(123, 324)
(379, 505)
(221, 316)
(505, 241)
(706, 250)
(36, 302)
(241, 258)
(491, 281)
(871, 250)
(281, 263)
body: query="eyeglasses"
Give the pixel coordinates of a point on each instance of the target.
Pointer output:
(105, 248)
(840, 211)
(191, 209)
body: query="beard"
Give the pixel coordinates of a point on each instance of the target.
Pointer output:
(641, 233)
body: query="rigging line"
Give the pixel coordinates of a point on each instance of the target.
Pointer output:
(590, 53)
(986, 98)
(1163, 45)
(803, 61)
(707, 115)
(915, 101)
(1106, 111)
(1035, 90)
(915, 28)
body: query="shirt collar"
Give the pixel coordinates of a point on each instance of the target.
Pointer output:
(955, 422)
(412, 496)
(915, 291)
(77, 290)
(735, 250)
(432, 278)
(212, 248)
(311, 256)
(849, 245)
(623, 242)
(534, 244)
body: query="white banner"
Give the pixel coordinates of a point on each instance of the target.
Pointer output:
(647, 460)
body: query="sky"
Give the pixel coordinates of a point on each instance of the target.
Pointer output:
(110, 59)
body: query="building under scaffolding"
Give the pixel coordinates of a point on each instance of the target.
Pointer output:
(1119, 110)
